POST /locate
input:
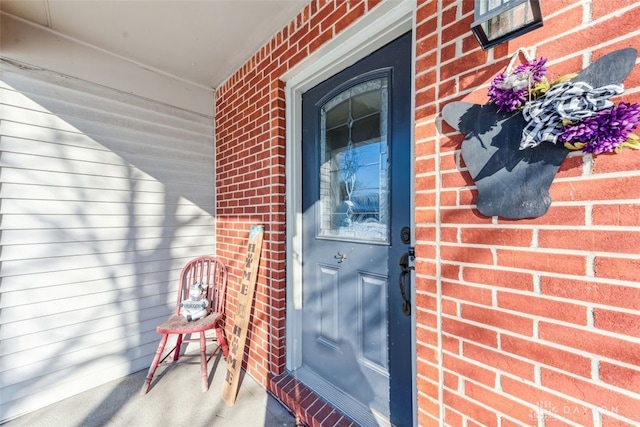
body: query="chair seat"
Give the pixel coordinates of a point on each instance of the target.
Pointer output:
(178, 324)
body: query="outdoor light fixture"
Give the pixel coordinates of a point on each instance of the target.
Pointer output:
(497, 21)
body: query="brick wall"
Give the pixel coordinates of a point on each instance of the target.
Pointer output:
(525, 322)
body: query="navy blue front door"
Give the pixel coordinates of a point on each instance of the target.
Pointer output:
(356, 159)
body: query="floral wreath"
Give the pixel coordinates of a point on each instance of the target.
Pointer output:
(574, 114)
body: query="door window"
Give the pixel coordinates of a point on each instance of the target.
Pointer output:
(354, 164)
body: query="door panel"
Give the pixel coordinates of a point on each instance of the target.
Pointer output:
(356, 349)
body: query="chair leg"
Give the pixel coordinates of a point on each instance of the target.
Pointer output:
(176, 355)
(203, 362)
(154, 364)
(222, 342)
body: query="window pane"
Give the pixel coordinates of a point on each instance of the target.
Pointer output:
(354, 170)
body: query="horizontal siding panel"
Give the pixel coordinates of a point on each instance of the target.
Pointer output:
(63, 194)
(87, 181)
(153, 285)
(104, 198)
(156, 304)
(99, 248)
(80, 132)
(66, 140)
(112, 101)
(177, 227)
(72, 365)
(140, 226)
(136, 274)
(114, 367)
(63, 355)
(181, 205)
(21, 138)
(142, 318)
(57, 160)
(53, 263)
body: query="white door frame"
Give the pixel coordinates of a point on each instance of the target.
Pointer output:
(383, 24)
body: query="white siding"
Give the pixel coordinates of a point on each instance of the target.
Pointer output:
(103, 197)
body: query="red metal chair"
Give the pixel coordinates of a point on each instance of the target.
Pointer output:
(212, 274)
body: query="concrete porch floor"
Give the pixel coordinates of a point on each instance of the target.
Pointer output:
(175, 399)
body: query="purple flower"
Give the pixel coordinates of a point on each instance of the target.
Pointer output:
(535, 69)
(605, 131)
(509, 91)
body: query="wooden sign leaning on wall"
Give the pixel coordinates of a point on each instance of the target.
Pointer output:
(243, 312)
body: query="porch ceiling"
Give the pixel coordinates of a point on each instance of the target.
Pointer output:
(200, 41)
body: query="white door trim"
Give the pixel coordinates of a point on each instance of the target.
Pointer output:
(383, 24)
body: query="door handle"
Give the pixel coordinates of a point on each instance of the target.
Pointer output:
(406, 265)
(340, 257)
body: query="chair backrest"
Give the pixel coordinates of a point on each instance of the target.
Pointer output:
(209, 271)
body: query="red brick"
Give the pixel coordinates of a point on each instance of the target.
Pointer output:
(425, 96)
(449, 235)
(543, 307)
(448, 52)
(620, 376)
(619, 188)
(500, 236)
(547, 355)
(498, 360)
(591, 240)
(430, 388)
(428, 370)
(608, 421)
(426, 319)
(462, 216)
(451, 344)
(616, 214)
(426, 11)
(498, 319)
(456, 29)
(592, 394)
(628, 160)
(467, 254)
(600, 344)
(467, 196)
(468, 370)
(550, 400)
(425, 182)
(476, 294)
(449, 307)
(456, 179)
(600, 9)
(541, 261)
(501, 278)
(426, 301)
(426, 267)
(616, 321)
(571, 167)
(508, 423)
(449, 198)
(595, 292)
(452, 418)
(501, 403)
(353, 14)
(426, 28)
(469, 332)
(428, 411)
(556, 215)
(468, 407)
(448, 16)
